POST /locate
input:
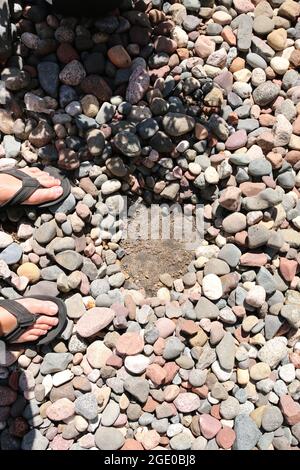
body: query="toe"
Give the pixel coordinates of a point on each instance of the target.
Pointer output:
(32, 334)
(38, 332)
(40, 307)
(45, 195)
(49, 181)
(46, 320)
(27, 338)
(42, 326)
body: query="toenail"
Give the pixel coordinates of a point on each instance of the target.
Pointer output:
(52, 308)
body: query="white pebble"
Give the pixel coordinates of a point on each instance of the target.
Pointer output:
(62, 377)
(212, 287)
(287, 373)
(47, 383)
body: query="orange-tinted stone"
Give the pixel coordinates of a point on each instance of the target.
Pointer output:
(290, 409)
(288, 268)
(132, 444)
(156, 374)
(225, 438)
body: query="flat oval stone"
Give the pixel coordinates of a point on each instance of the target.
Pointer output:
(212, 287)
(109, 438)
(70, 260)
(61, 410)
(187, 402)
(94, 320)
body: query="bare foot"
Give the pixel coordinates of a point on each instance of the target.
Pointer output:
(10, 186)
(46, 311)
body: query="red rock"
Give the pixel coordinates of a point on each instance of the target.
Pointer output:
(189, 327)
(66, 53)
(201, 133)
(236, 140)
(251, 189)
(209, 426)
(94, 320)
(290, 409)
(156, 374)
(182, 53)
(215, 411)
(130, 344)
(95, 85)
(171, 369)
(114, 361)
(243, 6)
(201, 391)
(295, 58)
(150, 439)
(239, 311)
(165, 326)
(130, 305)
(132, 444)
(164, 28)
(267, 120)
(159, 346)
(59, 443)
(121, 421)
(253, 259)
(237, 64)
(164, 44)
(269, 181)
(288, 268)
(19, 427)
(204, 47)
(229, 282)
(164, 441)
(241, 335)
(275, 159)
(228, 36)
(13, 380)
(150, 405)
(61, 410)
(230, 198)
(159, 360)
(225, 438)
(293, 157)
(265, 140)
(119, 57)
(7, 396)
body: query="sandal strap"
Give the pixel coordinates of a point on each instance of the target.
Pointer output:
(23, 316)
(29, 186)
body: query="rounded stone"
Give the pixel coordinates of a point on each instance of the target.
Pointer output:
(31, 271)
(107, 438)
(212, 287)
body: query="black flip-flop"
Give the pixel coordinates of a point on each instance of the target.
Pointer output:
(25, 319)
(31, 184)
